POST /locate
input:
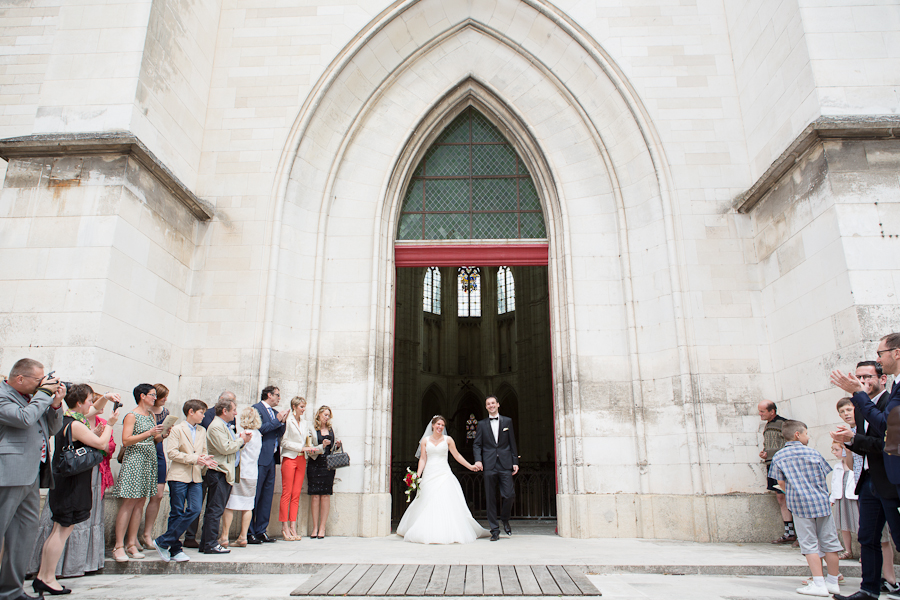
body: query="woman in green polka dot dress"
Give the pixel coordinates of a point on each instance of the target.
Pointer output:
(137, 477)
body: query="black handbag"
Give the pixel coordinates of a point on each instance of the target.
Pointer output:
(69, 460)
(337, 459)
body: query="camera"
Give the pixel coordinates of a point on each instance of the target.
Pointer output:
(68, 385)
(116, 405)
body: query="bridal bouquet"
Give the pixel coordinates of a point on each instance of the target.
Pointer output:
(412, 483)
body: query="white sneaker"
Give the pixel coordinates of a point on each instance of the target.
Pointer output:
(813, 590)
(163, 552)
(181, 557)
(833, 588)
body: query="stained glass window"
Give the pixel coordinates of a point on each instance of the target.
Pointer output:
(471, 184)
(431, 301)
(506, 291)
(468, 292)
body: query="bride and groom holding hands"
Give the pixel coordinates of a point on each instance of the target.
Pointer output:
(439, 514)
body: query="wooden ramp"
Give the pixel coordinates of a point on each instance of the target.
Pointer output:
(447, 580)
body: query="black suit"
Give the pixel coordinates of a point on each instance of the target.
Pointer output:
(208, 416)
(878, 501)
(498, 458)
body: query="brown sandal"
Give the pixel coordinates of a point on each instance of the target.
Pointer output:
(240, 542)
(845, 555)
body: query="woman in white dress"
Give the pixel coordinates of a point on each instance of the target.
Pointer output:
(244, 492)
(439, 514)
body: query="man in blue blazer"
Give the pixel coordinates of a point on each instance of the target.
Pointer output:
(889, 358)
(269, 456)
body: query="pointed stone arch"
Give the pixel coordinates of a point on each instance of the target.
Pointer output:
(603, 184)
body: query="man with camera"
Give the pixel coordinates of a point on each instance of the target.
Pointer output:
(30, 412)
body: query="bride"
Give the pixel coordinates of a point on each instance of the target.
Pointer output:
(439, 514)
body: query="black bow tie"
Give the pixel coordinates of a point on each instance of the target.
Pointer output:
(495, 418)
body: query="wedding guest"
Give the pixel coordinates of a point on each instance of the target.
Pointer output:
(137, 477)
(294, 446)
(320, 481)
(71, 499)
(188, 451)
(85, 547)
(225, 448)
(160, 412)
(244, 492)
(30, 412)
(190, 536)
(843, 498)
(272, 429)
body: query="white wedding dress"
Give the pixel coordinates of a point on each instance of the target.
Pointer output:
(439, 514)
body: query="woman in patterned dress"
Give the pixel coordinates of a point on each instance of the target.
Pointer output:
(137, 477)
(160, 412)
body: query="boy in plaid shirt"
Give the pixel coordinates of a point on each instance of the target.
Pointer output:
(801, 473)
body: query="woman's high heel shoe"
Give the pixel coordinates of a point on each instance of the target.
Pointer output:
(134, 552)
(42, 588)
(123, 558)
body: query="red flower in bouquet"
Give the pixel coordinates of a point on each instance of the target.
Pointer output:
(412, 481)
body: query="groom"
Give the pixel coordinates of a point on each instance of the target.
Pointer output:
(495, 445)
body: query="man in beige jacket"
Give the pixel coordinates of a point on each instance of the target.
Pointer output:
(225, 448)
(186, 447)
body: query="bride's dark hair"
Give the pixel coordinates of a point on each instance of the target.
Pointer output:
(437, 418)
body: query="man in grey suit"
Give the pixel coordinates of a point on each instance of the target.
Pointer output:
(30, 412)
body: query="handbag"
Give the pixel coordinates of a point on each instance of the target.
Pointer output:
(338, 458)
(69, 460)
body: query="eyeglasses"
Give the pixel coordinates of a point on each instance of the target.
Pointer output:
(864, 377)
(880, 352)
(32, 377)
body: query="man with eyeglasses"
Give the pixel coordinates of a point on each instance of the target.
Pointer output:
(29, 414)
(876, 503)
(272, 429)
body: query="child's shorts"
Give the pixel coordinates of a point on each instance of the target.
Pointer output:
(817, 536)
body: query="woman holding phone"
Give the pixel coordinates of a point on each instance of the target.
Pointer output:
(137, 477)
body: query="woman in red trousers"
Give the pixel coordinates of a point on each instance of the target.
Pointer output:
(295, 445)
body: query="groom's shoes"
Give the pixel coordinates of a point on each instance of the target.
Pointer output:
(495, 535)
(507, 528)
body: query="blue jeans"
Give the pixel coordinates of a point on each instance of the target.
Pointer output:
(874, 511)
(185, 500)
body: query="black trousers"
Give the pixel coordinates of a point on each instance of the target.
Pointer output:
(874, 511)
(191, 533)
(217, 492)
(507, 496)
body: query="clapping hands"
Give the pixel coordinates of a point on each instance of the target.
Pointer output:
(207, 461)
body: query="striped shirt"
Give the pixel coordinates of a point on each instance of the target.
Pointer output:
(804, 470)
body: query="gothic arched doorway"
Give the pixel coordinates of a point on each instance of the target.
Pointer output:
(473, 319)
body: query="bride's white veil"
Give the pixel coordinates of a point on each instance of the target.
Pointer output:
(426, 435)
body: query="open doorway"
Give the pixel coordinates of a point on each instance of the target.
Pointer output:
(463, 333)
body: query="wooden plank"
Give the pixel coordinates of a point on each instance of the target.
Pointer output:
(314, 580)
(402, 581)
(474, 582)
(456, 581)
(491, 576)
(510, 581)
(581, 580)
(384, 581)
(528, 582)
(563, 580)
(545, 580)
(420, 581)
(331, 581)
(367, 581)
(349, 581)
(438, 582)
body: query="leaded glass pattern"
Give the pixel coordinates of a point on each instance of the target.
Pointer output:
(468, 292)
(471, 184)
(506, 291)
(431, 296)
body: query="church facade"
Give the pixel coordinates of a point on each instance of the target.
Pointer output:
(629, 221)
